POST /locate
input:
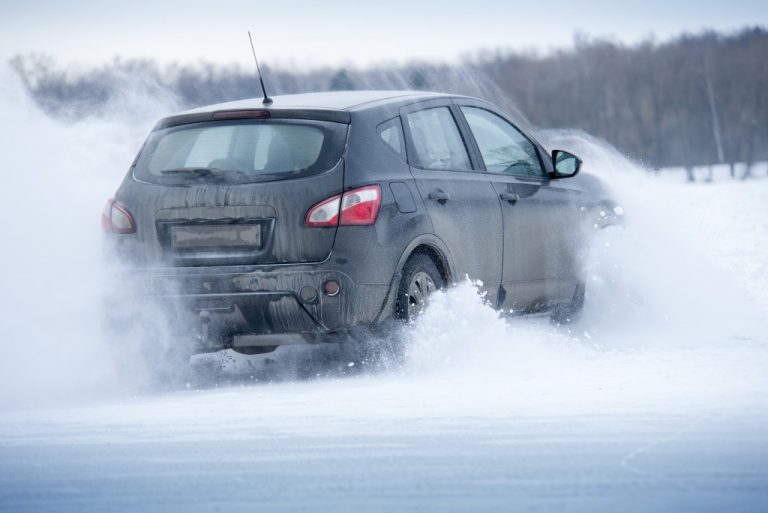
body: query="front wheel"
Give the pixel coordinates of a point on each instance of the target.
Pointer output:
(571, 311)
(420, 278)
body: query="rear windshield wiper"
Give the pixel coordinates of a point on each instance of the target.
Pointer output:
(193, 171)
(228, 175)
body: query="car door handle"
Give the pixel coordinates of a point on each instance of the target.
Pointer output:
(439, 195)
(511, 197)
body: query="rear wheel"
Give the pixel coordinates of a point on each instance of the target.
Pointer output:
(420, 278)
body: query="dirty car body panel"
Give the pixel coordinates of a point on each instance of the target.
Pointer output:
(221, 198)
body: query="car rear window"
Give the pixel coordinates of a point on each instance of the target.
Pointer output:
(240, 151)
(437, 140)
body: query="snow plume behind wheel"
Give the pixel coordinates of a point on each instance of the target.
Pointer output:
(420, 278)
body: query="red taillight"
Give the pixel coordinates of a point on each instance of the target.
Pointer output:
(355, 207)
(360, 206)
(116, 219)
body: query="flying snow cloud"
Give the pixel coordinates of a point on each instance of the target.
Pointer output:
(660, 303)
(58, 175)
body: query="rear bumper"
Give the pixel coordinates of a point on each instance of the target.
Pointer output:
(260, 306)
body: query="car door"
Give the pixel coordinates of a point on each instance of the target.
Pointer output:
(540, 216)
(460, 200)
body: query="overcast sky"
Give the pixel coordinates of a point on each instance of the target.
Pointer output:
(308, 34)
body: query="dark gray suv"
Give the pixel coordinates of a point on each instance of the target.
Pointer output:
(322, 214)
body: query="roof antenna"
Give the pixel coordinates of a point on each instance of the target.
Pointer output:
(267, 100)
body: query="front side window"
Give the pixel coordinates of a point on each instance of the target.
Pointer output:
(437, 141)
(240, 151)
(504, 148)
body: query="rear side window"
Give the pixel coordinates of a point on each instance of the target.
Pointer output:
(437, 141)
(241, 151)
(391, 132)
(504, 148)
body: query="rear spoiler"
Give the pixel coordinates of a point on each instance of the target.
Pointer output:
(335, 116)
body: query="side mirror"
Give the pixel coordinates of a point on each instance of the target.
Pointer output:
(566, 164)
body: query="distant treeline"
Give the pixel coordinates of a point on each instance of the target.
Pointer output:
(695, 100)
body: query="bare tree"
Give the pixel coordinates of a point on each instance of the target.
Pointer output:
(693, 101)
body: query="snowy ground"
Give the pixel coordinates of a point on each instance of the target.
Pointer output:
(657, 400)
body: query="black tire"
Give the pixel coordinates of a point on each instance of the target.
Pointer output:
(571, 311)
(420, 277)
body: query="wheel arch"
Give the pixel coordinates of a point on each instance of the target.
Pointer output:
(427, 244)
(437, 256)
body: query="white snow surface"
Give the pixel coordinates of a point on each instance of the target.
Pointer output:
(655, 400)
